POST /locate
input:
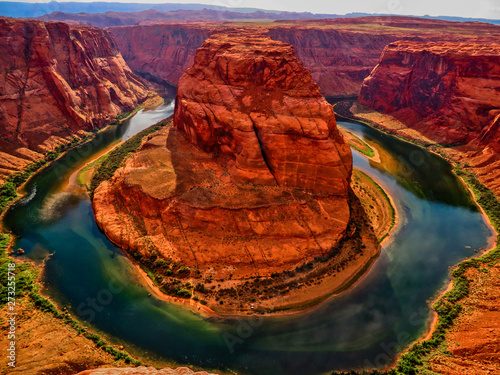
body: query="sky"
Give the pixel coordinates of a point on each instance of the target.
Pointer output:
(462, 8)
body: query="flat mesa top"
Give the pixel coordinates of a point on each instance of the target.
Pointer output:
(239, 41)
(469, 48)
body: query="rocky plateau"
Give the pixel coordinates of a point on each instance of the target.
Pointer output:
(339, 53)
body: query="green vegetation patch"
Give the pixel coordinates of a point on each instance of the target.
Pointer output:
(8, 190)
(26, 285)
(23, 274)
(365, 149)
(123, 116)
(392, 211)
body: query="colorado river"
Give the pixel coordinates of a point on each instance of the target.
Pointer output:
(366, 327)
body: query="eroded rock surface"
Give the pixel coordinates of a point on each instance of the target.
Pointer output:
(339, 53)
(446, 91)
(248, 96)
(259, 186)
(57, 81)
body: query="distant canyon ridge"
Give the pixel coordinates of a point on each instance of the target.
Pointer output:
(339, 53)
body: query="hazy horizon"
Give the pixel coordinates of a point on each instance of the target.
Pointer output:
(459, 8)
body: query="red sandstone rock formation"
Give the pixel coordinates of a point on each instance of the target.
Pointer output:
(339, 53)
(167, 50)
(164, 50)
(448, 92)
(339, 60)
(265, 187)
(57, 81)
(249, 97)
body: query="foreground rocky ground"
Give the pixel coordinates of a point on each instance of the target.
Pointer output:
(474, 341)
(47, 345)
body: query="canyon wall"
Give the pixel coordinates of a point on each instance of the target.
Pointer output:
(163, 50)
(340, 53)
(446, 91)
(339, 60)
(167, 50)
(57, 81)
(253, 177)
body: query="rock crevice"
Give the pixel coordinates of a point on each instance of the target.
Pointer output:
(266, 112)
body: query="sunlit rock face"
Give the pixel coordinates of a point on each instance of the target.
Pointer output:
(249, 97)
(448, 92)
(253, 177)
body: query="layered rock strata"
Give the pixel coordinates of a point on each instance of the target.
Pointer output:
(252, 180)
(339, 53)
(248, 96)
(448, 92)
(57, 81)
(163, 50)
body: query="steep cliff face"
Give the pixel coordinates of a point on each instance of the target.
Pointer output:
(248, 96)
(57, 81)
(338, 60)
(255, 179)
(167, 50)
(340, 53)
(164, 50)
(446, 91)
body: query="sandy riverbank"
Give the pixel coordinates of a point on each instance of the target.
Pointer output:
(361, 146)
